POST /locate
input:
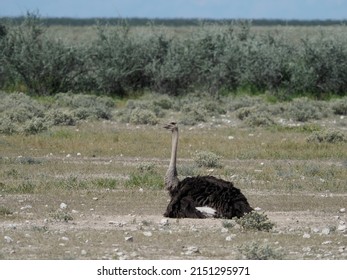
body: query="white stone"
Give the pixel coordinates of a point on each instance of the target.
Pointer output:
(326, 231)
(164, 222)
(342, 210)
(63, 205)
(341, 228)
(129, 239)
(230, 237)
(26, 207)
(64, 238)
(147, 233)
(8, 239)
(83, 252)
(192, 250)
(306, 235)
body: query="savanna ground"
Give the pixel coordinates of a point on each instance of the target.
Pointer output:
(94, 190)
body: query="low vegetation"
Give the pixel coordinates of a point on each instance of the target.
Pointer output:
(211, 57)
(89, 137)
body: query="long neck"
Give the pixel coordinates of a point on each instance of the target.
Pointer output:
(171, 179)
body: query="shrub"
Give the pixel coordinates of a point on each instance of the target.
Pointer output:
(60, 117)
(255, 221)
(207, 159)
(257, 251)
(45, 66)
(303, 109)
(327, 136)
(34, 126)
(145, 176)
(143, 116)
(339, 106)
(259, 119)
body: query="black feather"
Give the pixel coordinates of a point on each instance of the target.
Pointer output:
(200, 191)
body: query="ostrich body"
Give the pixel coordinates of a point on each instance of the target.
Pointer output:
(191, 194)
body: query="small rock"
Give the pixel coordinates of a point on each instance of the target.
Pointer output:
(341, 228)
(83, 252)
(306, 249)
(306, 235)
(8, 239)
(257, 209)
(74, 211)
(224, 230)
(164, 222)
(26, 207)
(147, 233)
(315, 230)
(68, 155)
(192, 250)
(129, 239)
(230, 237)
(342, 210)
(78, 154)
(64, 238)
(95, 198)
(327, 242)
(326, 231)
(63, 205)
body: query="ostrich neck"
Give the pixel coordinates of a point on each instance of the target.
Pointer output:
(171, 180)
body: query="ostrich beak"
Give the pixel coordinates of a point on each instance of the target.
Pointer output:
(170, 125)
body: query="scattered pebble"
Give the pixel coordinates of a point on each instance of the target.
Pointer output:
(306, 235)
(26, 207)
(342, 210)
(257, 209)
(78, 154)
(230, 237)
(8, 239)
(129, 238)
(224, 230)
(341, 227)
(191, 250)
(164, 222)
(326, 231)
(83, 252)
(327, 242)
(147, 233)
(95, 198)
(64, 238)
(63, 205)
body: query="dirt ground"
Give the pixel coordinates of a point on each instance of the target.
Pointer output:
(108, 225)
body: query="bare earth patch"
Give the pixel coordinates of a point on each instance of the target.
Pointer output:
(129, 225)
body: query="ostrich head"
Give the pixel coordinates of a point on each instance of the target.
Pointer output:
(171, 180)
(171, 126)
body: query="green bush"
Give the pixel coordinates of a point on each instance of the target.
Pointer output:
(339, 106)
(255, 221)
(207, 159)
(143, 116)
(45, 66)
(327, 136)
(257, 251)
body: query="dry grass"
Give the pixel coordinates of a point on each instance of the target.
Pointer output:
(96, 168)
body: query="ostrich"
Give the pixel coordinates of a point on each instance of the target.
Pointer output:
(193, 195)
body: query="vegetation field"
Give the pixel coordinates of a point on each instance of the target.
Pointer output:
(83, 151)
(81, 176)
